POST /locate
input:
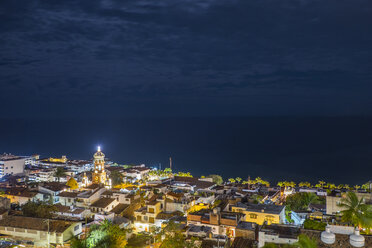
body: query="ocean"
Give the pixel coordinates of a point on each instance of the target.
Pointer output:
(334, 149)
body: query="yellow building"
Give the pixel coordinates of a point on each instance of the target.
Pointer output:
(99, 173)
(145, 217)
(63, 159)
(260, 213)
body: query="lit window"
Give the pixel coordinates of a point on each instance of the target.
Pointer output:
(253, 216)
(269, 218)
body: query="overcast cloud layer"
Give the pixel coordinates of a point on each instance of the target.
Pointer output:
(185, 57)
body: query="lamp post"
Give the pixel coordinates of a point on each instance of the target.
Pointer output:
(47, 221)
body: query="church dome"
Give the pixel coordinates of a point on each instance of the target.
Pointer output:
(99, 153)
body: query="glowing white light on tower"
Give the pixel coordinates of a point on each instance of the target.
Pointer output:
(99, 148)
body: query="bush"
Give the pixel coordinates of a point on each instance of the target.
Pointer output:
(38, 209)
(300, 201)
(314, 225)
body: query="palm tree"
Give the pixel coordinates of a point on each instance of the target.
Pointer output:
(116, 178)
(367, 186)
(231, 180)
(321, 183)
(356, 187)
(281, 184)
(60, 172)
(292, 184)
(238, 179)
(356, 211)
(252, 182)
(78, 243)
(266, 183)
(332, 186)
(304, 184)
(309, 198)
(305, 242)
(103, 235)
(340, 186)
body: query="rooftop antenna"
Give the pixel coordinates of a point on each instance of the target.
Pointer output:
(170, 163)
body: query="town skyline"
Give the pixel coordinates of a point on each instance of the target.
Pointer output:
(186, 124)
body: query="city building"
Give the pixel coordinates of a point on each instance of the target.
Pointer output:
(53, 189)
(99, 175)
(220, 222)
(278, 234)
(191, 184)
(137, 172)
(32, 160)
(19, 195)
(72, 212)
(11, 164)
(41, 232)
(144, 218)
(261, 213)
(104, 205)
(79, 166)
(52, 162)
(333, 199)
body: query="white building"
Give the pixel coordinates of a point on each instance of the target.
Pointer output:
(39, 231)
(11, 164)
(79, 166)
(32, 160)
(137, 172)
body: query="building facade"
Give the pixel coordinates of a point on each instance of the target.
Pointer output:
(99, 175)
(11, 165)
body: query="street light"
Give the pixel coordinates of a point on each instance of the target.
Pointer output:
(47, 221)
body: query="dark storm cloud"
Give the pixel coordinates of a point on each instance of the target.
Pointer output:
(276, 55)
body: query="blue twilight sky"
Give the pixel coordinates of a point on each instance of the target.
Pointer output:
(116, 58)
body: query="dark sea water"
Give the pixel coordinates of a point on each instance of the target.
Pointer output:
(336, 149)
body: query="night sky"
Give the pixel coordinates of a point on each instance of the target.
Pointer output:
(185, 58)
(280, 89)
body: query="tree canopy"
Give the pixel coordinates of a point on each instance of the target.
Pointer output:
(217, 179)
(38, 209)
(116, 178)
(356, 211)
(105, 235)
(300, 201)
(183, 174)
(72, 183)
(60, 172)
(174, 238)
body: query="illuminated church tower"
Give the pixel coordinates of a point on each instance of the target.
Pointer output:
(99, 173)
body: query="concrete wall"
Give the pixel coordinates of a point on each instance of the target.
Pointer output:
(65, 201)
(18, 199)
(12, 167)
(342, 229)
(266, 238)
(176, 206)
(249, 234)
